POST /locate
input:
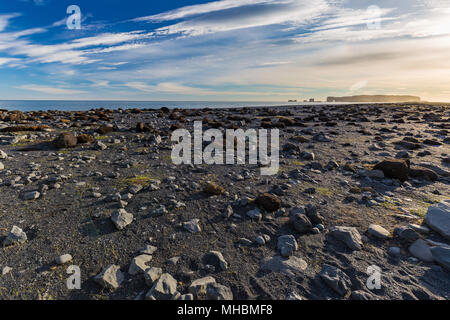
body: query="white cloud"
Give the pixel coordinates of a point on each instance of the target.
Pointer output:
(4, 61)
(4, 20)
(259, 14)
(201, 9)
(49, 90)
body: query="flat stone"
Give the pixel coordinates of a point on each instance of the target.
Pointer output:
(438, 218)
(421, 250)
(442, 256)
(111, 277)
(139, 264)
(289, 266)
(121, 218)
(349, 235)
(336, 279)
(378, 231)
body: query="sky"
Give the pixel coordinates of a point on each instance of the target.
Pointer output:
(225, 50)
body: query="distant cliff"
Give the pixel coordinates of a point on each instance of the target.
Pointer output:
(377, 98)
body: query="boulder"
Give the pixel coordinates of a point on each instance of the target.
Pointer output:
(438, 218)
(336, 279)
(268, 202)
(163, 289)
(394, 169)
(289, 266)
(65, 140)
(349, 235)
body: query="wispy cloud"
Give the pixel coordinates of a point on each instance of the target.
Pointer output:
(50, 90)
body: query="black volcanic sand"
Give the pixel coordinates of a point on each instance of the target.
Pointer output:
(75, 185)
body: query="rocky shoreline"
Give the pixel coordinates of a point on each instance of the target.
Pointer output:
(359, 186)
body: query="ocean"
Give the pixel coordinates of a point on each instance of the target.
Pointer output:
(45, 105)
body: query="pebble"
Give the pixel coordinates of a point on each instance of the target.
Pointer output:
(33, 195)
(63, 259)
(192, 226)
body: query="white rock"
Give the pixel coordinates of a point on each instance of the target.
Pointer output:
(163, 289)
(63, 258)
(121, 218)
(6, 270)
(151, 275)
(111, 277)
(3, 155)
(139, 264)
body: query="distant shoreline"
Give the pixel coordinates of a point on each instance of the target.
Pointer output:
(86, 105)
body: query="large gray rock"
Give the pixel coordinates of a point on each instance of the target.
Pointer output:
(421, 250)
(198, 287)
(111, 277)
(215, 291)
(163, 289)
(151, 275)
(289, 266)
(301, 223)
(349, 235)
(15, 236)
(139, 264)
(216, 259)
(438, 218)
(287, 245)
(442, 256)
(121, 218)
(336, 279)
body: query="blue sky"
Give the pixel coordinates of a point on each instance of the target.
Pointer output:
(241, 50)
